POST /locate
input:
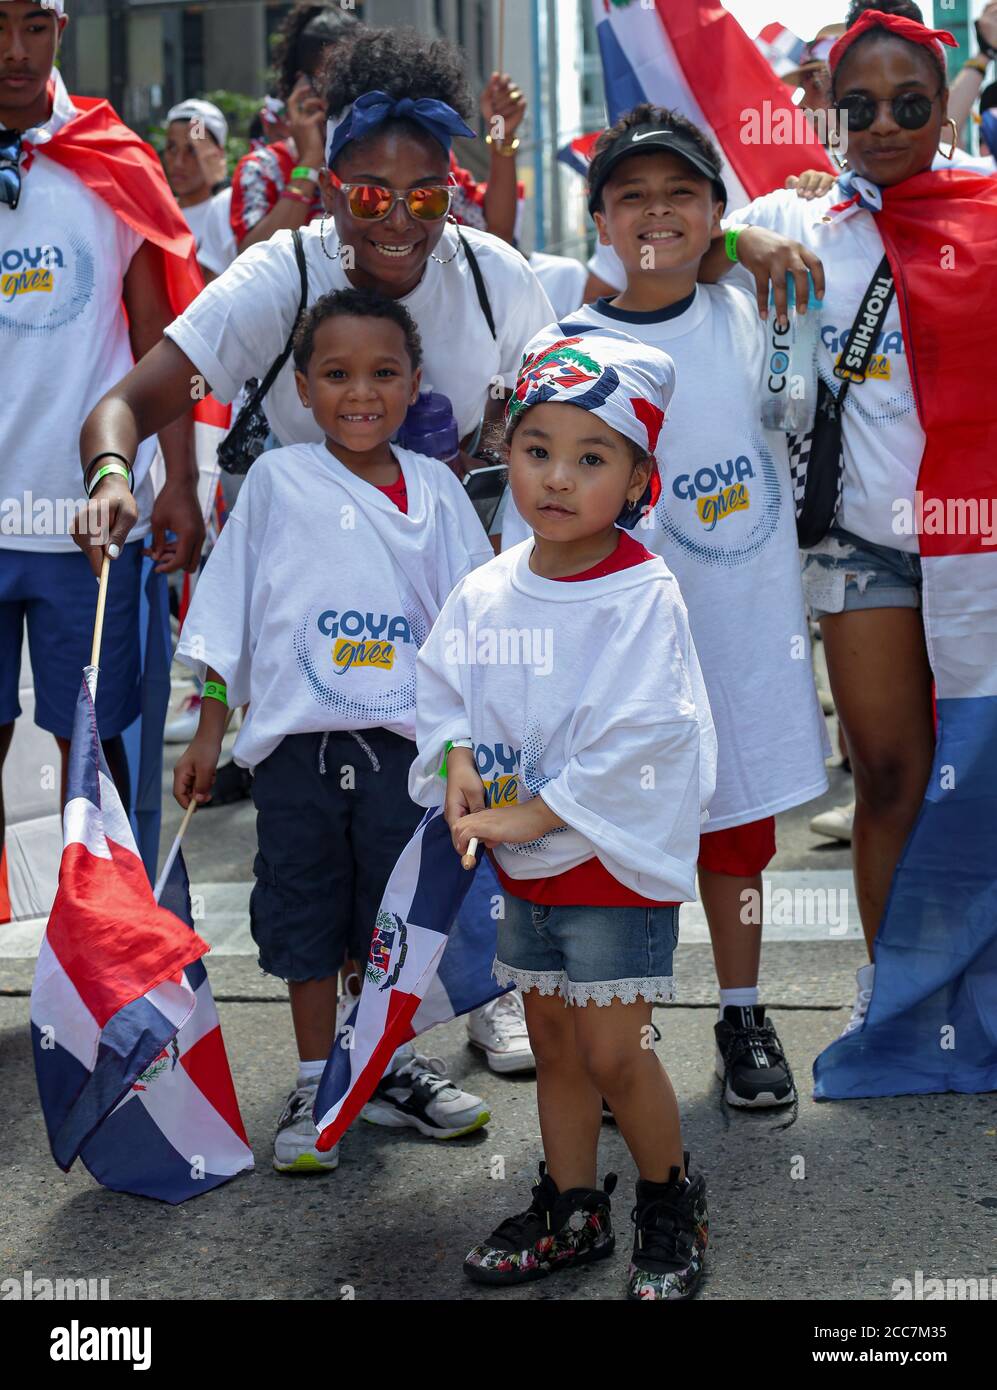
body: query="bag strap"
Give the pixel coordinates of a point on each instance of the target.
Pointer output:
(278, 362)
(865, 330)
(479, 282)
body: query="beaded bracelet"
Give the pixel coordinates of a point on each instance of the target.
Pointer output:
(297, 195)
(214, 690)
(117, 468)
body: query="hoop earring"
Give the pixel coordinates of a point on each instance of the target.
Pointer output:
(955, 139)
(321, 237)
(439, 259)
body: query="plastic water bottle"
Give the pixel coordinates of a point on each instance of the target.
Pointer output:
(789, 375)
(430, 427)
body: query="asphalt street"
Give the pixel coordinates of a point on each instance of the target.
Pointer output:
(853, 1197)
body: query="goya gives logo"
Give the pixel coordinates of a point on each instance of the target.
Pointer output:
(498, 768)
(28, 270)
(718, 491)
(363, 639)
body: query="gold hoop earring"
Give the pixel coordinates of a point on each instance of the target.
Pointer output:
(439, 259)
(955, 139)
(321, 237)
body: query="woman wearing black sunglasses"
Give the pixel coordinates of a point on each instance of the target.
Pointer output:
(864, 580)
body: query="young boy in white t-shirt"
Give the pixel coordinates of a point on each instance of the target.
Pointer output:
(725, 526)
(326, 579)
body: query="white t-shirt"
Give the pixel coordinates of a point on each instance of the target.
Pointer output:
(217, 247)
(319, 592)
(882, 439)
(239, 324)
(196, 216)
(589, 693)
(63, 259)
(563, 279)
(725, 526)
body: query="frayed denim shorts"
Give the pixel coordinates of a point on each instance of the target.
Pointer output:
(588, 954)
(844, 573)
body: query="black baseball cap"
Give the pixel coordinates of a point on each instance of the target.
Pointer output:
(654, 136)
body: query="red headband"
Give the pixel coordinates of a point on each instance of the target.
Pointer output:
(903, 28)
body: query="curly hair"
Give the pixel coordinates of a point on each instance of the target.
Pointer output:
(401, 62)
(647, 114)
(353, 303)
(903, 9)
(302, 35)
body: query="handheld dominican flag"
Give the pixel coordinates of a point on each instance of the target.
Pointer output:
(109, 992)
(430, 960)
(932, 1019)
(177, 1132)
(693, 57)
(781, 49)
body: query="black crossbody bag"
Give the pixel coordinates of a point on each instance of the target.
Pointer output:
(815, 457)
(244, 442)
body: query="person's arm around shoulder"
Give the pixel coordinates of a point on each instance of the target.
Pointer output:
(766, 254)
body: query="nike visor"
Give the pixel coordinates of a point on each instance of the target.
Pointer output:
(652, 139)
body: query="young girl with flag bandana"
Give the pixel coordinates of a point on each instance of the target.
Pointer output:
(603, 717)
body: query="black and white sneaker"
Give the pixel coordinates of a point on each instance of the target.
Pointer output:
(750, 1060)
(416, 1093)
(672, 1228)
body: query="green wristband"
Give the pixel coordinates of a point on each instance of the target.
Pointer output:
(117, 468)
(214, 690)
(460, 743)
(302, 171)
(730, 241)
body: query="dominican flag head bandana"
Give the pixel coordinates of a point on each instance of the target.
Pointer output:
(626, 383)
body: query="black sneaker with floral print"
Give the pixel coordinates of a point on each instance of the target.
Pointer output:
(672, 1228)
(559, 1230)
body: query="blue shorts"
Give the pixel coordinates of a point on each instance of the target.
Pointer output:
(325, 852)
(588, 953)
(845, 573)
(55, 592)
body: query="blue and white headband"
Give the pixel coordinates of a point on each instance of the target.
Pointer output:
(374, 108)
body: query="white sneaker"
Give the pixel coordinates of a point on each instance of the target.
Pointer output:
(415, 1092)
(499, 1030)
(864, 977)
(835, 824)
(294, 1148)
(183, 726)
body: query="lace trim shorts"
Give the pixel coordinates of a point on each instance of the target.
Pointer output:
(588, 954)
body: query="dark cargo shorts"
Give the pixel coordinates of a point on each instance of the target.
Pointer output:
(325, 849)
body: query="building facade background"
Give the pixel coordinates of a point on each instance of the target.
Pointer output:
(145, 56)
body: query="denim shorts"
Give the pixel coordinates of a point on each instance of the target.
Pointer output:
(844, 573)
(588, 953)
